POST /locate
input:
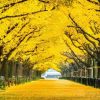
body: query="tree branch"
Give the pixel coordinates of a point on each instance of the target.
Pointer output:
(21, 15)
(83, 31)
(7, 6)
(94, 2)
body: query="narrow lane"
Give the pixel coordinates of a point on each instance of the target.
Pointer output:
(50, 90)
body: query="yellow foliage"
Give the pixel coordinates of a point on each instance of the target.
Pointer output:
(49, 26)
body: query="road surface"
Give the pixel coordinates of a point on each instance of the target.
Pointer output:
(50, 90)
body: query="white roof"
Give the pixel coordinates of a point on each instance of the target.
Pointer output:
(51, 72)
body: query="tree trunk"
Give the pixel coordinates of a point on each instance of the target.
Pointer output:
(4, 69)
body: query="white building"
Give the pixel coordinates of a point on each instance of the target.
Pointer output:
(51, 73)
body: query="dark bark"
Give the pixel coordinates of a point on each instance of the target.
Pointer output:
(12, 4)
(94, 2)
(44, 1)
(73, 53)
(83, 31)
(21, 15)
(21, 39)
(4, 68)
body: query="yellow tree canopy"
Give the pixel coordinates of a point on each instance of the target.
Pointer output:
(35, 29)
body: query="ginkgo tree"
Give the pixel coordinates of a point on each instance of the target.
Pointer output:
(84, 40)
(33, 33)
(21, 32)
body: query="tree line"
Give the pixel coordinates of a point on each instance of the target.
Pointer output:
(83, 51)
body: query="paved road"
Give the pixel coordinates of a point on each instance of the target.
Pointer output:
(50, 90)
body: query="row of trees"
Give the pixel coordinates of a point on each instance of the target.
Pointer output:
(16, 31)
(20, 40)
(83, 50)
(16, 71)
(22, 34)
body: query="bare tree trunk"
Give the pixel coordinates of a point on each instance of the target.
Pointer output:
(4, 69)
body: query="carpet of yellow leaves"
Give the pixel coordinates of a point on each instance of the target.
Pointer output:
(50, 90)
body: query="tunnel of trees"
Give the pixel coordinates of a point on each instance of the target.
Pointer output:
(36, 35)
